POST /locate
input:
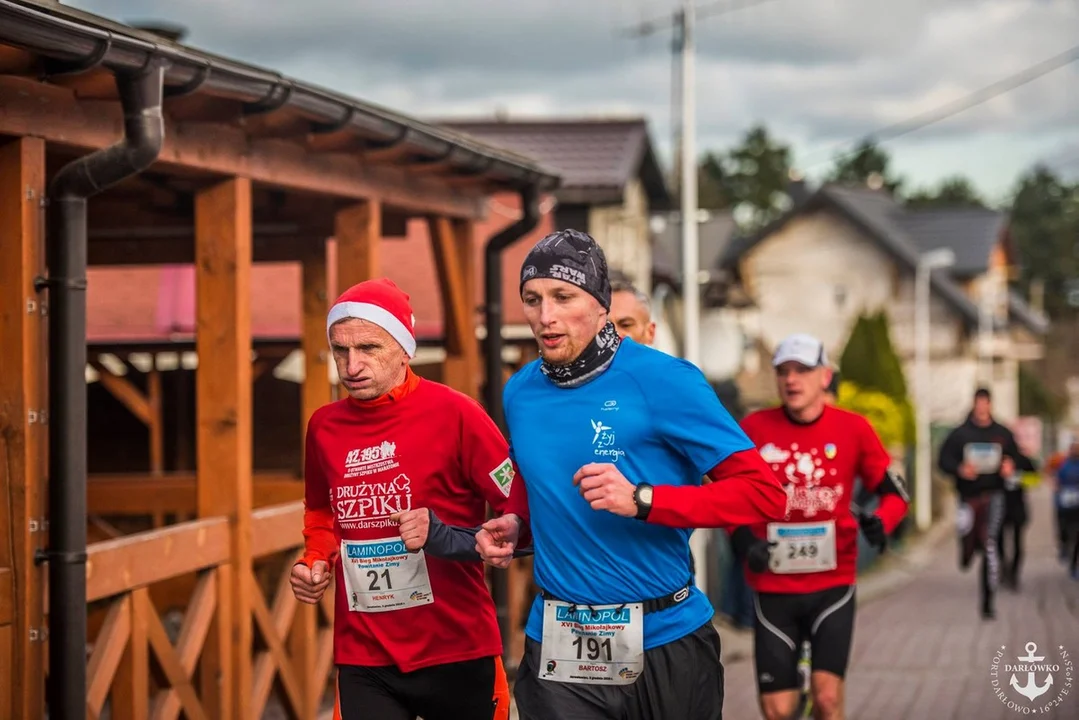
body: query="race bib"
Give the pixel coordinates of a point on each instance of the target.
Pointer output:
(381, 575)
(597, 645)
(1069, 498)
(802, 547)
(983, 457)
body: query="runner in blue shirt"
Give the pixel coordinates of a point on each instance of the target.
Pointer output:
(611, 439)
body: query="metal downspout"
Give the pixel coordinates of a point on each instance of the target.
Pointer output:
(492, 285)
(492, 272)
(140, 95)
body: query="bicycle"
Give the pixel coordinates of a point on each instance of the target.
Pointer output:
(805, 673)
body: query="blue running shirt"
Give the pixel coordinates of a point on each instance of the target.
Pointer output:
(656, 418)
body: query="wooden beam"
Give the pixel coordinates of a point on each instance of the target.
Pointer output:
(55, 114)
(452, 247)
(14, 61)
(157, 422)
(181, 250)
(337, 142)
(279, 124)
(315, 305)
(97, 84)
(175, 493)
(123, 390)
(141, 559)
(276, 528)
(358, 231)
(223, 403)
(23, 400)
(7, 603)
(131, 689)
(316, 391)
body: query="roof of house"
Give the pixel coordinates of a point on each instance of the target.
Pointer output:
(68, 36)
(596, 157)
(905, 234)
(713, 237)
(972, 233)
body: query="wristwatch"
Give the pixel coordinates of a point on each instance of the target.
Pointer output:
(643, 497)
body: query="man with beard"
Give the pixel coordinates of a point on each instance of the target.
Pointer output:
(612, 439)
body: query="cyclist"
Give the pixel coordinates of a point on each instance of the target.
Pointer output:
(413, 635)
(803, 567)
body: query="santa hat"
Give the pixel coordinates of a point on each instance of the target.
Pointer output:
(381, 302)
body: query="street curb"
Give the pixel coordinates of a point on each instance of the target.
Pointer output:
(897, 570)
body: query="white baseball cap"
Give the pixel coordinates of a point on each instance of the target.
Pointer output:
(801, 348)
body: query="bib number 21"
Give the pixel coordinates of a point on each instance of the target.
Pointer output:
(381, 575)
(379, 580)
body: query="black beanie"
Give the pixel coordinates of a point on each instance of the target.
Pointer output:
(571, 256)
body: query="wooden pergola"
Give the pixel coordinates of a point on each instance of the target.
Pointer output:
(254, 167)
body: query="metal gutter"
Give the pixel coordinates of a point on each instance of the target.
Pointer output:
(48, 32)
(144, 131)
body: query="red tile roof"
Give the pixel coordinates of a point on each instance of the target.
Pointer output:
(157, 303)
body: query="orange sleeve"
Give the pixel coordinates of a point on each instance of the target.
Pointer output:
(319, 536)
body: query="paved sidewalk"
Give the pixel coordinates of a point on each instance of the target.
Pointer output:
(923, 651)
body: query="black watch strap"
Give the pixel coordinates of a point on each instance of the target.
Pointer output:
(643, 508)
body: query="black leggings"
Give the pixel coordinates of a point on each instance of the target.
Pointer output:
(1010, 562)
(454, 691)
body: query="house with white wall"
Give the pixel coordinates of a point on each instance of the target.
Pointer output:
(844, 251)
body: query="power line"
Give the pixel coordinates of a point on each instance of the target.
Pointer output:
(671, 20)
(1000, 87)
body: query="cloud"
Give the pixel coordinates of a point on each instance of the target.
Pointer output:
(817, 72)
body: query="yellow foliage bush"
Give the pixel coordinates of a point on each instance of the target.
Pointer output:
(893, 421)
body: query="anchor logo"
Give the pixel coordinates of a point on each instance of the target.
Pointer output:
(1032, 690)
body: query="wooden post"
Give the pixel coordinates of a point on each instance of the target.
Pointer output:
(156, 424)
(452, 247)
(23, 432)
(303, 638)
(357, 230)
(223, 395)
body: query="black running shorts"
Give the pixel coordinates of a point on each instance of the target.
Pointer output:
(468, 690)
(784, 621)
(682, 679)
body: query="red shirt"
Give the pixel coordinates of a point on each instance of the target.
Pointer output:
(423, 445)
(818, 464)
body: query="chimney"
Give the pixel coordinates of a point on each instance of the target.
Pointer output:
(796, 187)
(167, 30)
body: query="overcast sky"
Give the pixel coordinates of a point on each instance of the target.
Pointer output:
(819, 73)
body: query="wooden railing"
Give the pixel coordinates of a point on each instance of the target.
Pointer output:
(143, 673)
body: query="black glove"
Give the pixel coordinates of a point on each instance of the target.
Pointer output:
(873, 529)
(758, 555)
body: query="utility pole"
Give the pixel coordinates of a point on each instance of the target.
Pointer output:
(691, 297)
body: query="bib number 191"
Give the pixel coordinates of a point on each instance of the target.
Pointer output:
(593, 648)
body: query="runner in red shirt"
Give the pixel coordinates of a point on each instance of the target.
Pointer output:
(803, 569)
(414, 635)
